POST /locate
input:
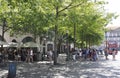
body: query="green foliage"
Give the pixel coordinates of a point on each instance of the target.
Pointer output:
(37, 16)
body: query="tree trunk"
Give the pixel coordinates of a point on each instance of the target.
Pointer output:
(55, 41)
(3, 31)
(74, 35)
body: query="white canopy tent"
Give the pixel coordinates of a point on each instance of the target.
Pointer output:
(30, 44)
(5, 44)
(13, 44)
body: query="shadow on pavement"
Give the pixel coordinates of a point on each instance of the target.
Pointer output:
(72, 69)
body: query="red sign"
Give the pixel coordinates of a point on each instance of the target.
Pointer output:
(112, 45)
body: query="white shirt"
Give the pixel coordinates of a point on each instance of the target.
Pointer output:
(31, 52)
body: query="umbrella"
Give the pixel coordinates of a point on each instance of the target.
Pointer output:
(30, 44)
(3, 43)
(13, 44)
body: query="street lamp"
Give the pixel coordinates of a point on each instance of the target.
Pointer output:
(67, 47)
(44, 47)
(74, 36)
(106, 39)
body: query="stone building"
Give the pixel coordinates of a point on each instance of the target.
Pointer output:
(21, 39)
(113, 35)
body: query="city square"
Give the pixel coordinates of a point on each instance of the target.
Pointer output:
(59, 39)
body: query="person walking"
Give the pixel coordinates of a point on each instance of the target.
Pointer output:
(94, 54)
(106, 53)
(50, 56)
(28, 56)
(113, 53)
(31, 55)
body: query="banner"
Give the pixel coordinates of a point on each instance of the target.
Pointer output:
(112, 45)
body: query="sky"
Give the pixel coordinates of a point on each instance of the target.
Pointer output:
(114, 6)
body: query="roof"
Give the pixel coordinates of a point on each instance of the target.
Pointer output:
(112, 27)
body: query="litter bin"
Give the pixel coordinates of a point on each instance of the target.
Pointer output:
(12, 70)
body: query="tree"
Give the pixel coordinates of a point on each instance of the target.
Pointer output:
(4, 12)
(58, 8)
(37, 16)
(89, 20)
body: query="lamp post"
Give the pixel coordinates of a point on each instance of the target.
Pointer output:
(44, 46)
(67, 47)
(74, 35)
(106, 39)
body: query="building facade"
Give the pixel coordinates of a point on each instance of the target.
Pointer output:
(113, 36)
(44, 45)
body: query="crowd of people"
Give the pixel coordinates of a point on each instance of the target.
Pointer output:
(112, 52)
(92, 54)
(28, 55)
(85, 54)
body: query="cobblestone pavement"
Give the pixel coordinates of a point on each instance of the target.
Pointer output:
(72, 69)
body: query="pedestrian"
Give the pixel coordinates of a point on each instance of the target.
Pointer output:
(113, 53)
(74, 54)
(19, 56)
(28, 56)
(84, 54)
(31, 55)
(106, 53)
(6, 56)
(101, 51)
(50, 55)
(16, 55)
(1, 58)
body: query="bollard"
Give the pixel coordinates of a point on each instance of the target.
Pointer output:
(12, 70)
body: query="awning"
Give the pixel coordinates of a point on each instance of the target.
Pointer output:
(30, 44)
(3, 43)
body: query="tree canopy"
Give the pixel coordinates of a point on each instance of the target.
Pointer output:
(38, 16)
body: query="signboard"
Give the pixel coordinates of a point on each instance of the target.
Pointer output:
(112, 45)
